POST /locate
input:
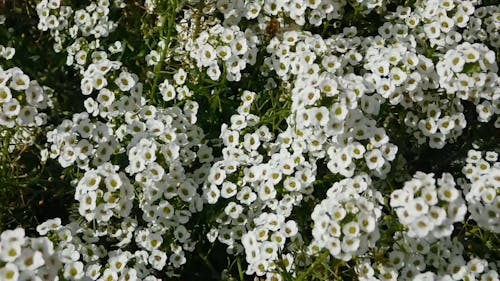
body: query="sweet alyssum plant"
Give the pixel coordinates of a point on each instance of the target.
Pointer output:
(267, 139)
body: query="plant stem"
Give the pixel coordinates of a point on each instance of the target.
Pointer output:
(168, 22)
(319, 260)
(240, 271)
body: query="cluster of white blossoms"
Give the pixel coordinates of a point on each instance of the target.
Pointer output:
(426, 209)
(482, 188)
(333, 109)
(136, 156)
(259, 202)
(314, 12)
(103, 193)
(470, 72)
(222, 50)
(157, 147)
(427, 259)
(26, 258)
(65, 24)
(21, 100)
(467, 68)
(23, 104)
(151, 186)
(345, 223)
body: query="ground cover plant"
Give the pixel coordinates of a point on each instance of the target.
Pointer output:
(249, 140)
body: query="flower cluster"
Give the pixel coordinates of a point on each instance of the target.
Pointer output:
(426, 209)
(136, 156)
(153, 180)
(81, 141)
(26, 258)
(423, 259)
(482, 188)
(314, 12)
(470, 72)
(302, 155)
(259, 202)
(102, 193)
(345, 223)
(21, 99)
(331, 105)
(222, 50)
(23, 103)
(66, 24)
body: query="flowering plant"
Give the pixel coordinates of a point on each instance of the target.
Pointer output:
(262, 139)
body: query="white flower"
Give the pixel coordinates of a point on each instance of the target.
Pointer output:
(351, 229)
(99, 81)
(398, 76)
(11, 108)
(152, 58)
(367, 223)
(251, 141)
(290, 229)
(333, 245)
(186, 190)
(125, 81)
(73, 271)
(485, 111)
(30, 260)
(319, 116)
(213, 71)
(51, 224)
(177, 258)
(239, 46)
(15, 236)
(420, 227)
(476, 265)
(386, 87)
(105, 97)
(224, 52)
(157, 259)
(93, 271)
(432, 30)
(374, 159)
(109, 275)
(211, 194)
(5, 94)
(207, 55)
(233, 210)
(291, 184)
(350, 244)
(417, 207)
(461, 19)
(181, 234)
(165, 210)
(216, 176)
(448, 193)
(338, 111)
(9, 272)
(19, 81)
(10, 251)
(246, 195)
(180, 76)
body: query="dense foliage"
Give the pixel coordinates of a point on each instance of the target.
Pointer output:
(249, 139)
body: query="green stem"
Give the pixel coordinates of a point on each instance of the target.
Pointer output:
(168, 22)
(208, 264)
(197, 28)
(240, 270)
(311, 268)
